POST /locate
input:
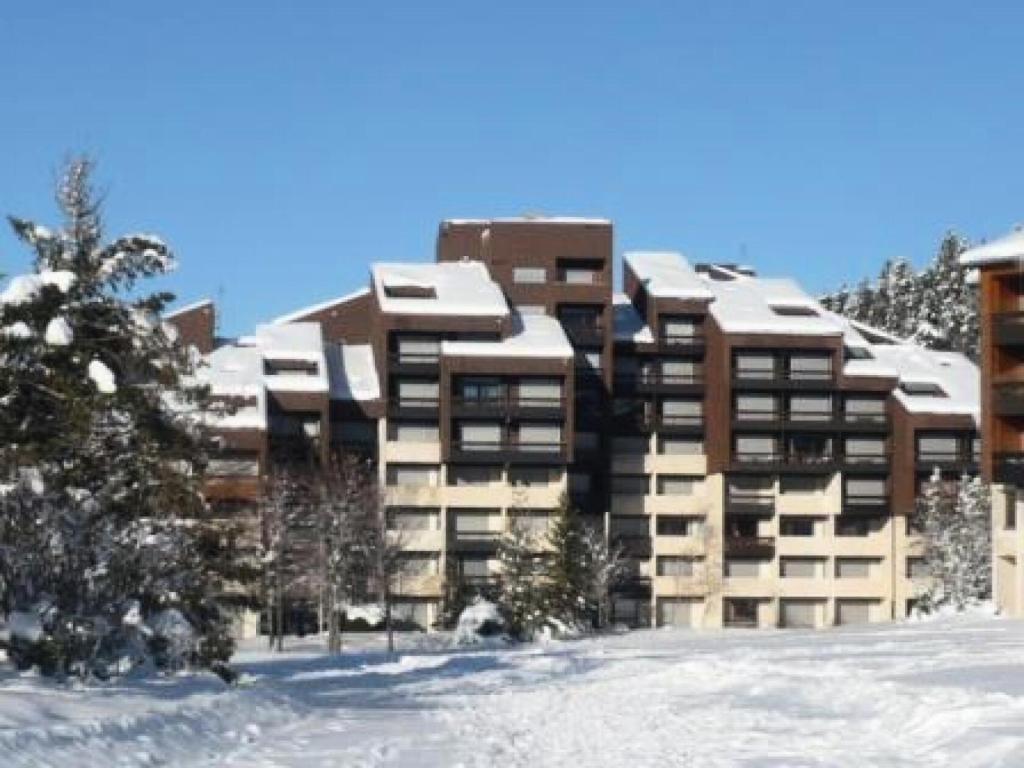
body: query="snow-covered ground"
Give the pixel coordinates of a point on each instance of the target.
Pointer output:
(941, 693)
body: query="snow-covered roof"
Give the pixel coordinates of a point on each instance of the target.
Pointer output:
(299, 314)
(667, 274)
(532, 336)
(457, 288)
(237, 372)
(761, 305)
(188, 308)
(957, 376)
(1006, 248)
(629, 325)
(352, 371)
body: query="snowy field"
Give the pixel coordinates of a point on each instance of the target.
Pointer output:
(944, 693)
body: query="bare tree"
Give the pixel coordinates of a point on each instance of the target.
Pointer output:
(606, 567)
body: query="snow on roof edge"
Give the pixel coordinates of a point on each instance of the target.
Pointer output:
(298, 314)
(188, 308)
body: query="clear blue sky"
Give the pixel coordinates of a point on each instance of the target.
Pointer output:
(281, 147)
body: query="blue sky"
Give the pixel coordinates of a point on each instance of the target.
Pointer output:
(282, 147)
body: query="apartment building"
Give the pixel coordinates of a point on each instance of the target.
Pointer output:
(755, 456)
(1001, 283)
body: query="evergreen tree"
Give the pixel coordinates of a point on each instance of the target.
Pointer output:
(104, 525)
(568, 582)
(521, 590)
(955, 525)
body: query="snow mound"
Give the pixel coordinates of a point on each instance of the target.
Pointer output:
(479, 622)
(59, 333)
(24, 288)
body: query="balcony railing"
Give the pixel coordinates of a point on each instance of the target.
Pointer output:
(507, 404)
(749, 546)
(415, 359)
(866, 505)
(958, 458)
(655, 380)
(507, 450)
(776, 377)
(855, 459)
(681, 339)
(750, 506)
(866, 420)
(396, 404)
(790, 459)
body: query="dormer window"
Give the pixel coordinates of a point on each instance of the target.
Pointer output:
(922, 389)
(858, 353)
(409, 291)
(289, 368)
(794, 310)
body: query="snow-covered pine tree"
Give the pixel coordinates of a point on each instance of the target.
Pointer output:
(520, 595)
(955, 525)
(568, 580)
(104, 530)
(606, 568)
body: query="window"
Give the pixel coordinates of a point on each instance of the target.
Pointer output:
(1010, 520)
(540, 438)
(476, 523)
(865, 490)
(413, 431)
(678, 611)
(867, 410)
(801, 567)
(533, 477)
(290, 368)
(417, 393)
(529, 275)
(810, 367)
(677, 485)
(857, 353)
(674, 566)
(742, 569)
(418, 349)
(917, 568)
(540, 392)
(810, 449)
(477, 566)
(473, 476)
(937, 448)
(676, 525)
(413, 518)
(810, 408)
(756, 448)
(412, 474)
(532, 522)
(749, 366)
(854, 567)
(853, 611)
(856, 526)
(481, 390)
(479, 436)
(236, 465)
(679, 371)
(408, 291)
(740, 612)
(413, 611)
(798, 526)
(756, 408)
(630, 484)
(672, 446)
(580, 276)
(418, 564)
(800, 614)
(678, 329)
(864, 450)
(630, 526)
(675, 412)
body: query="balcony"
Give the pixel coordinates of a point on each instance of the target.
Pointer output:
(1008, 328)
(656, 381)
(414, 362)
(508, 405)
(755, 547)
(500, 451)
(757, 378)
(415, 407)
(474, 541)
(750, 506)
(865, 422)
(865, 506)
(1008, 467)
(760, 461)
(962, 461)
(1008, 398)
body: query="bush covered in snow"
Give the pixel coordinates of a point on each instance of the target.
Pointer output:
(480, 622)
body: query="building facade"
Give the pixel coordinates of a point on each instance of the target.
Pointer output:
(756, 457)
(1000, 266)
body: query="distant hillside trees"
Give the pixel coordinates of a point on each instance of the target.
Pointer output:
(935, 307)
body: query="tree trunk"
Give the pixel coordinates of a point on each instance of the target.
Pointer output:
(387, 620)
(280, 614)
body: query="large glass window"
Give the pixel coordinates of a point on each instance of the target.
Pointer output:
(417, 393)
(529, 275)
(681, 412)
(754, 366)
(412, 474)
(867, 410)
(479, 436)
(756, 407)
(418, 349)
(810, 367)
(540, 392)
(541, 438)
(810, 408)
